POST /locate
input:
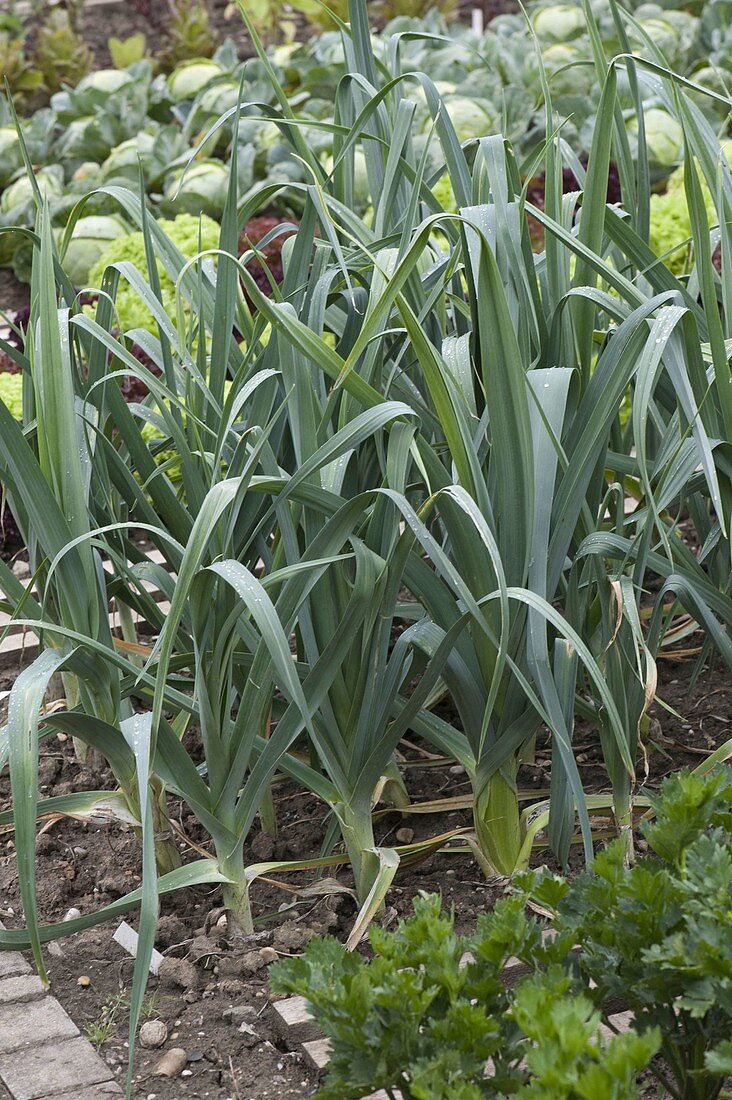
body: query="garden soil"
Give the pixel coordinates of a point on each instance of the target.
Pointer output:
(120, 20)
(212, 991)
(13, 295)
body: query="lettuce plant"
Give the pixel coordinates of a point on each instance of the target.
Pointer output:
(185, 232)
(61, 55)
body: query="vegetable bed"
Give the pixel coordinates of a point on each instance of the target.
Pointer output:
(215, 985)
(366, 436)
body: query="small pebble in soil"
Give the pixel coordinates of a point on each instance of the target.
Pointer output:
(180, 973)
(457, 769)
(268, 955)
(292, 936)
(72, 914)
(172, 1063)
(153, 1033)
(84, 981)
(249, 1035)
(405, 836)
(238, 1014)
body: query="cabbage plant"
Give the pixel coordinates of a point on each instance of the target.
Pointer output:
(10, 154)
(200, 189)
(95, 89)
(191, 77)
(664, 139)
(559, 22)
(89, 239)
(20, 192)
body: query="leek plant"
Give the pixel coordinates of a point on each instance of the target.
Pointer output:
(532, 445)
(47, 471)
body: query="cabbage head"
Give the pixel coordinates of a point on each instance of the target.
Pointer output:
(567, 77)
(123, 162)
(20, 192)
(10, 154)
(472, 118)
(559, 22)
(214, 101)
(361, 188)
(201, 189)
(192, 77)
(674, 33)
(90, 237)
(664, 138)
(96, 88)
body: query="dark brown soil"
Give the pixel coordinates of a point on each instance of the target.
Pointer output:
(210, 985)
(122, 21)
(212, 992)
(119, 19)
(13, 295)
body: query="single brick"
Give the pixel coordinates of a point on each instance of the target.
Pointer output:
(23, 1025)
(11, 963)
(293, 1020)
(317, 1054)
(52, 1068)
(23, 987)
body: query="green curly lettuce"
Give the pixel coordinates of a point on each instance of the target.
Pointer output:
(670, 236)
(445, 195)
(11, 393)
(165, 456)
(188, 233)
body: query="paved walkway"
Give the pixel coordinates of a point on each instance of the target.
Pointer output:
(42, 1054)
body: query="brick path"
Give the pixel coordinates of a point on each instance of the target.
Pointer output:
(42, 1054)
